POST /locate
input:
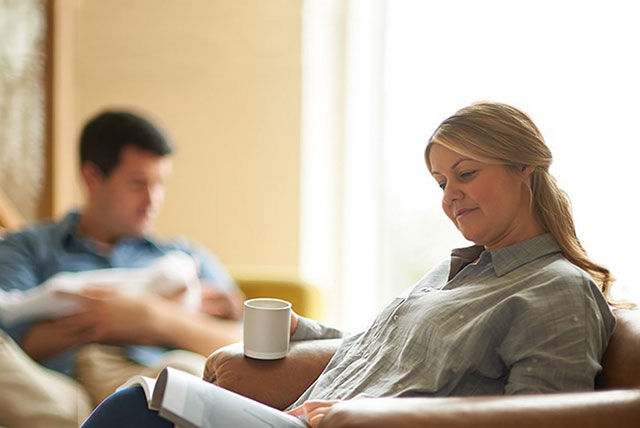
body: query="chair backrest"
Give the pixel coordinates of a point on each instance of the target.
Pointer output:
(10, 217)
(621, 361)
(305, 298)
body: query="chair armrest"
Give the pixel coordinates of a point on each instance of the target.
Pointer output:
(616, 408)
(620, 361)
(277, 383)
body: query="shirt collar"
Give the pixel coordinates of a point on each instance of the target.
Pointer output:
(68, 226)
(506, 259)
(460, 257)
(68, 232)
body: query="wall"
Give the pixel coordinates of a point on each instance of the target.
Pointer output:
(224, 78)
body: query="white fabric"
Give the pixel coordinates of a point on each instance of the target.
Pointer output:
(166, 276)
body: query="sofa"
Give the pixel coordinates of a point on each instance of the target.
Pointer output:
(614, 403)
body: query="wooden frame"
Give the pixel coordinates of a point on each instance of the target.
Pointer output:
(10, 218)
(61, 152)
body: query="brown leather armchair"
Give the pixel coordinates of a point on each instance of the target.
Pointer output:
(615, 403)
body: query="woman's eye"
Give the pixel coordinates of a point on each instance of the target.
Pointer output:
(442, 185)
(467, 175)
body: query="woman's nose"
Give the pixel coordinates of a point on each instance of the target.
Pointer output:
(451, 194)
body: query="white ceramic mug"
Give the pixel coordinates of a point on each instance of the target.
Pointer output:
(266, 328)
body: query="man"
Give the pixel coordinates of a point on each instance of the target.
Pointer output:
(125, 162)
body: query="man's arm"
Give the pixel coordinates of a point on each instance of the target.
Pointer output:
(196, 332)
(117, 318)
(48, 338)
(221, 296)
(113, 317)
(107, 316)
(18, 270)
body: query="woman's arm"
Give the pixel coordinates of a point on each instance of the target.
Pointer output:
(556, 338)
(308, 329)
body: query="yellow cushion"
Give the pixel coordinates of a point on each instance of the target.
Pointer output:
(306, 299)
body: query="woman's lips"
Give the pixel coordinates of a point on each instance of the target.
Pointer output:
(463, 212)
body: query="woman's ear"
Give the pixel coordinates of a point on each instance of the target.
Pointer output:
(527, 170)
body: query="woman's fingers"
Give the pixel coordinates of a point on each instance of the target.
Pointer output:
(313, 410)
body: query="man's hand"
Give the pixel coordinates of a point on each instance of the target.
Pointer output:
(313, 410)
(106, 316)
(111, 316)
(114, 317)
(220, 304)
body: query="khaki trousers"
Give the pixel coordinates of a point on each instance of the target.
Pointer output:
(32, 396)
(103, 368)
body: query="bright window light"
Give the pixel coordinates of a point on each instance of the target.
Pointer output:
(379, 76)
(571, 65)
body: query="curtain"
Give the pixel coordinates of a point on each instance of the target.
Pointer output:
(22, 102)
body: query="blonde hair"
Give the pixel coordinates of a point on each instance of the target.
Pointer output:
(498, 133)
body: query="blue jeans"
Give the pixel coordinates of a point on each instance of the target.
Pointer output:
(126, 409)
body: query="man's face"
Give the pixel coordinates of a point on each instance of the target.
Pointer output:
(129, 199)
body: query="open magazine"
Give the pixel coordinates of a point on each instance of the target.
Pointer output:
(190, 402)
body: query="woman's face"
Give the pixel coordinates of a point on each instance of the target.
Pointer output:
(488, 203)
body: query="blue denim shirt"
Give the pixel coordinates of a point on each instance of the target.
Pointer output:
(29, 257)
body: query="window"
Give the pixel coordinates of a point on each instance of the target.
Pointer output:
(570, 65)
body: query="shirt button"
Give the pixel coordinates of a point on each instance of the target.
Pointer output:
(395, 317)
(575, 318)
(424, 289)
(461, 316)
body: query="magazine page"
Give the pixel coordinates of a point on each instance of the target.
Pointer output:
(147, 385)
(188, 401)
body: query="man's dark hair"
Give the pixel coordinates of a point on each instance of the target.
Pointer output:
(105, 136)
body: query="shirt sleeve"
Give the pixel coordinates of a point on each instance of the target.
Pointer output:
(556, 339)
(309, 329)
(211, 271)
(17, 272)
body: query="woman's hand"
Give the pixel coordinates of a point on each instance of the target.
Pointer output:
(294, 323)
(313, 410)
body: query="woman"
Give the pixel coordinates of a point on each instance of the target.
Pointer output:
(522, 311)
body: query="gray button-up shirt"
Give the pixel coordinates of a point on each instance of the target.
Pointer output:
(521, 319)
